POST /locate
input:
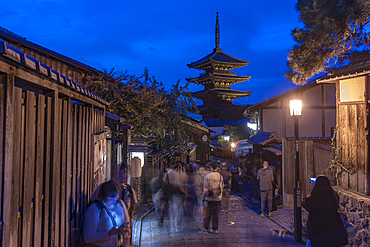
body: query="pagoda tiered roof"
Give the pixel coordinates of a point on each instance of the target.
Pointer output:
(220, 58)
(218, 78)
(224, 94)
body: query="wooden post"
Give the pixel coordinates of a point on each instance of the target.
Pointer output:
(55, 170)
(367, 138)
(12, 102)
(63, 172)
(69, 172)
(40, 130)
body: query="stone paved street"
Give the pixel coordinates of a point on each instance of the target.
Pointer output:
(242, 226)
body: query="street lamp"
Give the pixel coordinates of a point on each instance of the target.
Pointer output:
(296, 113)
(227, 136)
(233, 145)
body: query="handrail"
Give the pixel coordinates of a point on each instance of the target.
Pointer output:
(141, 223)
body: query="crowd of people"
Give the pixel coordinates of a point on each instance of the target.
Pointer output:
(201, 192)
(184, 189)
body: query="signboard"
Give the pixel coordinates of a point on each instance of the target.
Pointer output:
(100, 154)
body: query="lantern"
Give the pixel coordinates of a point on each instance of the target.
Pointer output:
(136, 167)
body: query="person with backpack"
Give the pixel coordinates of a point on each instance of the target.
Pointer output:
(106, 222)
(128, 194)
(212, 194)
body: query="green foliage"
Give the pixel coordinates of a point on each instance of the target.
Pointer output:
(333, 31)
(152, 108)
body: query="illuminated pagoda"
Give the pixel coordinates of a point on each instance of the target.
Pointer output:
(217, 109)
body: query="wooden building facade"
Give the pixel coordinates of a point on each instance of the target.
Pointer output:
(352, 130)
(48, 130)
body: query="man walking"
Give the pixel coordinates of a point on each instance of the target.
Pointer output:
(265, 176)
(212, 193)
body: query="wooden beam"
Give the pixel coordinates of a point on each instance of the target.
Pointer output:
(322, 111)
(28, 169)
(10, 165)
(69, 173)
(47, 192)
(55, 170)
(63, 172)
(40, 80)
(39, 173)
(367, 138)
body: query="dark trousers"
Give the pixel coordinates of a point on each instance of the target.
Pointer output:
(213, 209)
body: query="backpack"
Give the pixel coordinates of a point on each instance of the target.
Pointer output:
(80, 238)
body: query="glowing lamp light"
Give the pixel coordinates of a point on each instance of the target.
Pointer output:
(227, 138)
(252, 126)
(136, 167)
(296, 108)
(233, 144)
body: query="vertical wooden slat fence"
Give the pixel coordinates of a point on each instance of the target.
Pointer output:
(351, 144)
(313, 160)
(46, 153)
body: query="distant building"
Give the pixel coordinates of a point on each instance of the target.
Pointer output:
(217, 109)
(318, 113)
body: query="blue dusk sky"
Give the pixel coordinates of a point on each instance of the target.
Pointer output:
(164, 36)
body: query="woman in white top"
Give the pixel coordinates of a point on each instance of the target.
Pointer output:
(106, 221)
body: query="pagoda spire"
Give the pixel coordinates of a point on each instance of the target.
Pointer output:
(217, 32)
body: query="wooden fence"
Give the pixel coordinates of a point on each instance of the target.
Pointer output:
(314, 156)
(46, 151)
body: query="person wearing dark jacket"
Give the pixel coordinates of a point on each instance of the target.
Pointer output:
(265, 176)
(324, 225)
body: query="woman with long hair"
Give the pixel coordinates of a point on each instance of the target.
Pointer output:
(324, 226)
(106, 220)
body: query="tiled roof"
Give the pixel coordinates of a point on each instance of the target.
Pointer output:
(8, 35)
(218, 76)
(217, 123)
(20, 57)
(263, 138)
(218, 56)
(354, 69)
(218, 106)
(222, 91)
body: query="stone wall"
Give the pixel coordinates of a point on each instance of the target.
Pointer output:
(357, 209)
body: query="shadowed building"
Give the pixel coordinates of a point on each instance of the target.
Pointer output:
(217, 109)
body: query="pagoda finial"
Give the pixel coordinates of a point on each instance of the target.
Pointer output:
(217, 33)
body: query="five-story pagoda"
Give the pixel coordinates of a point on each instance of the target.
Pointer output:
(217, 109)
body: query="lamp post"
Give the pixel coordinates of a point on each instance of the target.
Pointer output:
(296, 113)
(232, 153)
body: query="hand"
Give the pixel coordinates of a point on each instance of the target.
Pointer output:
(113, 231)
(125, 227)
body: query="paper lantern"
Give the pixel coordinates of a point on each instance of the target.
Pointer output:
(136, 167)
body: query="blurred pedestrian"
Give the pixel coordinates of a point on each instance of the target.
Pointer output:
(199, 182)
(275, 186)
(324, 225)
(128, 194)
(175, 182)
(225, 202)
(106, 221)
(212, 194)
(155, 186)
(265, 176)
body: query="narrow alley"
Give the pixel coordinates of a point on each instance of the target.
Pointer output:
(241, 226)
